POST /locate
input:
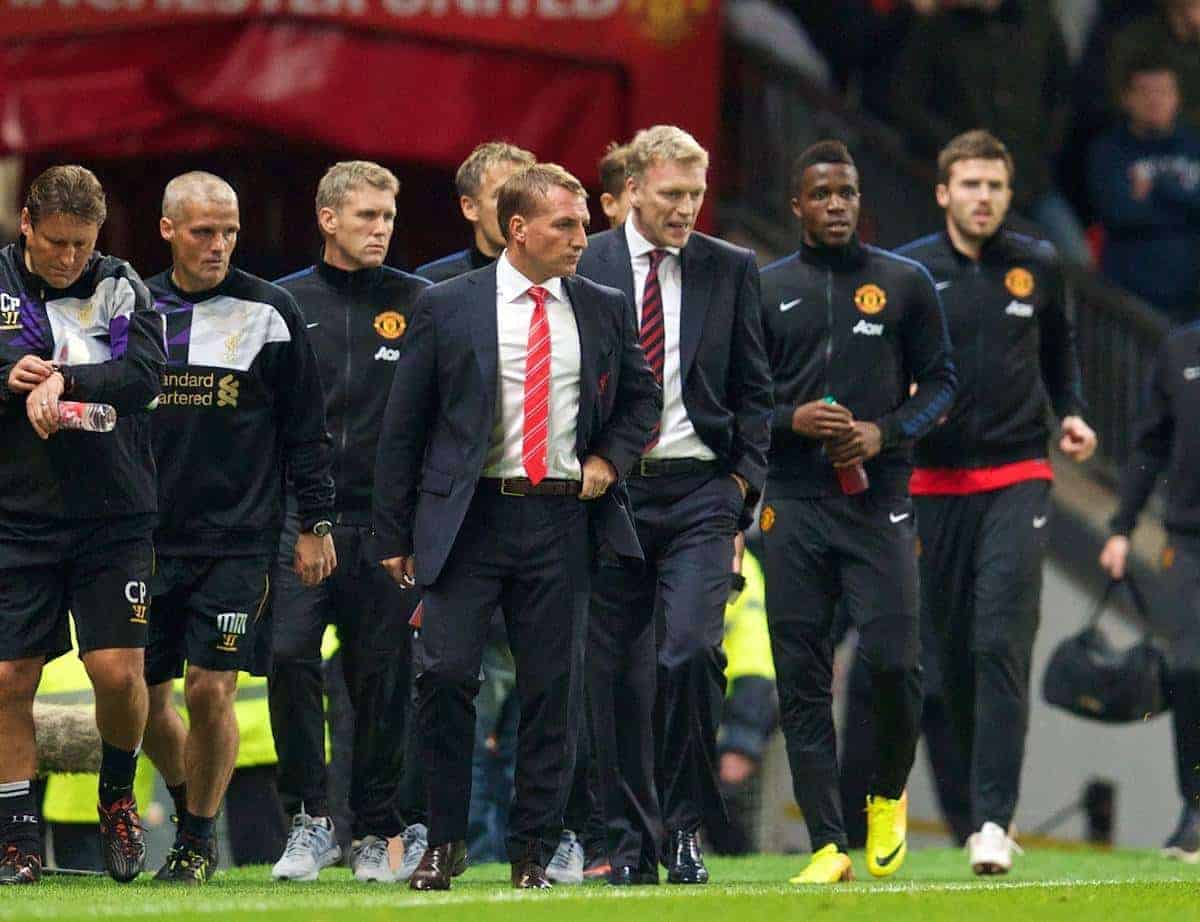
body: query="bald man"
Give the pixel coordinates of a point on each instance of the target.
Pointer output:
(241, 402)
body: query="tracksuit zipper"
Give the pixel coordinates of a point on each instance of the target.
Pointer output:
(975, 414)
(828, 327)
(349, 377)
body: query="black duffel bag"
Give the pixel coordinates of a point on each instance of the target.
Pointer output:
(1090, 678)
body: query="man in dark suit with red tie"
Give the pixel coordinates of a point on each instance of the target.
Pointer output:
(520, 398)
(699, 319)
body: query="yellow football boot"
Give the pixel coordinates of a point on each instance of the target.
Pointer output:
(887, 834)
(828, 866)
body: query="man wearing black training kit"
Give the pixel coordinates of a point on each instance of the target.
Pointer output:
(982, 483)
(76, 508)
(357, 310)
(241, 407)
(849, 328)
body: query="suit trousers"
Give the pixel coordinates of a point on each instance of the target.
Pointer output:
(530, 556)
(371, 615)
(655, 667)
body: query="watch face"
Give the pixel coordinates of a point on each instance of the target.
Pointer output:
(321, 529)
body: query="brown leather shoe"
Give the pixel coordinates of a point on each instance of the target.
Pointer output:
(529, 875)
(438, 865)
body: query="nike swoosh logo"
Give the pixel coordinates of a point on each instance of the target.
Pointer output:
(942, 286)
(1039, 521)
(897, 518)
(788, 305)
(311, 326)
(888, 859)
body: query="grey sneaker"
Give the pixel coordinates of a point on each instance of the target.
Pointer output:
(369, 859)
(310, 847)
(416, 840)
(566, 867)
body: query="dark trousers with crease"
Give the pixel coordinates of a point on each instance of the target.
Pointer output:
(371, 614)
(530, 556)
(655, 667)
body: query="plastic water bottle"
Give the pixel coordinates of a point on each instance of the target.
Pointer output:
(90, 417)
(853, 479)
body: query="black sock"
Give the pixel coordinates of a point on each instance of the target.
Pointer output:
(19, 816)
(197, 827)
(178, 794)
(117, 767)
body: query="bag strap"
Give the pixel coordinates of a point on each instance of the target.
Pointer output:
(1135, 593)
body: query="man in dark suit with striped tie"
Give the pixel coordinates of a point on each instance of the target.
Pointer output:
(700, 477)
(520, 398)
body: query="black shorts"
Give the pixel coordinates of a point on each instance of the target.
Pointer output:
(210, 612)
(97, 571)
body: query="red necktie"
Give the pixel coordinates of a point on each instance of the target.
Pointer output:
(653, 330)
(536, 440)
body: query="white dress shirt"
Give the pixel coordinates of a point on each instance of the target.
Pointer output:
(677, 437)
(514, 309)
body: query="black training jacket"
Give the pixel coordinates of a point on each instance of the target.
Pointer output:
(109, 341)
(1167, 438)
(241, 406)
(1014, 349)
(356, 323)
(861, 325)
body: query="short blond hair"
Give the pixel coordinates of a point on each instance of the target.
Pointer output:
(196, 186)
(663, 143)
(469, 178)
(526, 191)
(344, 177)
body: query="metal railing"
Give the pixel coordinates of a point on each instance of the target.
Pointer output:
(772, 112)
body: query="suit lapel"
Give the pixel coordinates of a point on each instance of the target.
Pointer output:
(616, 255)
(588, 328)
(697, 285)
(484, 331)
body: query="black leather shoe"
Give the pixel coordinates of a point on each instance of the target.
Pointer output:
(628, 876)
(529, 875)
(685, 861)
(438, 865)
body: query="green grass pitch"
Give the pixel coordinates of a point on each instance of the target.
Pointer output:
(934, 884)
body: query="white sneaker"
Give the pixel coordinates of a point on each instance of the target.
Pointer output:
(369, 859)
(566, 866)
(310, 848)
(416, 841)
(991, 850)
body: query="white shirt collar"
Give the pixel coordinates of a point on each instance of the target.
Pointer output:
(639, 245)
(511, 284)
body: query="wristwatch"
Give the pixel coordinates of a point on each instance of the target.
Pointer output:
(322, 528)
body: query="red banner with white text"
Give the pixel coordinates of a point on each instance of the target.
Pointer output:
(413, 79)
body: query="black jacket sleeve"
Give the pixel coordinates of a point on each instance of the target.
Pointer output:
(132, 379)
(1153, 432)
(750, 390)
(925, 340)
(307, 446)
(638, 404)
(1060, 365)
(411, 405)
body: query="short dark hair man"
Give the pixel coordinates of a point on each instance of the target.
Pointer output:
(982, 483)
(614, 192)
(357, 310)
(76, 509)
(521, 390)
(699, 321)
(478, 183)
(849, 328)
(241, 405)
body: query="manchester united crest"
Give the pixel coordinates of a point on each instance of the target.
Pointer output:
(390, 324)
(767, 520)
(870, 299)
(667, 22)
(1019, 282)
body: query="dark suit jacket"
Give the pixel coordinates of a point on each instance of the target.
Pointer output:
(441, 411)
(454, 265)
(726, 377)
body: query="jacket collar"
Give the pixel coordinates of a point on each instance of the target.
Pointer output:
(344, 280)
(840, 259)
